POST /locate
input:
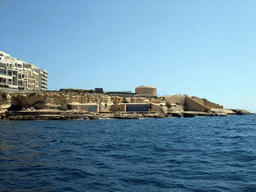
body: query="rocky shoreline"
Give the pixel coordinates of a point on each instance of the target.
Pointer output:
(63, 105)
(74, 115)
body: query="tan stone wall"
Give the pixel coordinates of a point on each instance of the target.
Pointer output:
(174, 99)
(176, 108)
(157, 108)
(146, 90)
(207, 103)
(120, 107)
(193, 105)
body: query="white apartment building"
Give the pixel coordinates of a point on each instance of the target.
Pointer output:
(17, 74)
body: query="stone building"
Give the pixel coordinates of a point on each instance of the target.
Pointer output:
(17, 74)
(146, 91)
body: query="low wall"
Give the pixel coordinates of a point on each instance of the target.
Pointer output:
(174, 99)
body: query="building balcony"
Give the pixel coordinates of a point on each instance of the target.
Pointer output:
(44, 74)
(44, 79)
(44, 86)
(3, 65)
(13, 86)
(5, 76)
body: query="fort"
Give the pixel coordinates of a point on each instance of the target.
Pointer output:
(24, 96)
(85, 104)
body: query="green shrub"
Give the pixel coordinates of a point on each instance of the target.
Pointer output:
(168, 105)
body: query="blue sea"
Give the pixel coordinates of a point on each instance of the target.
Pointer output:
(173, 154)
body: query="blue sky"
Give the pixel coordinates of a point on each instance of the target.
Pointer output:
(201, 48)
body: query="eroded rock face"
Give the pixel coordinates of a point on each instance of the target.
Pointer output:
(5, 101)
(60, 100)
(222, 112)
(241, 112)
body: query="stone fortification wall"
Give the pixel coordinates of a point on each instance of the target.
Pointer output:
(207, 103)
(75, 105)
(176, 107)
(146, 90)
(157, 109)
(193, 105)
(175, 99)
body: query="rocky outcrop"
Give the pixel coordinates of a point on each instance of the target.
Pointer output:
(5, 102)
(240, 112)
(222, 112)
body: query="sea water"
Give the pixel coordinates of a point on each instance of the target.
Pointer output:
(174, 154)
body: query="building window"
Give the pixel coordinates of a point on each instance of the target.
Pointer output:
(2, 72)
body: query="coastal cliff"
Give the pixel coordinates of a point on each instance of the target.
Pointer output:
(58, 105)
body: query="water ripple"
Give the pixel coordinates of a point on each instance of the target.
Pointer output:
(189, 154)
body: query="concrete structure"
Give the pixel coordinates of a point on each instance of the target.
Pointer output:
(131, 107)
(21, 75)
(137, 107)
(122, 93)
(146, 91)
(98, 90)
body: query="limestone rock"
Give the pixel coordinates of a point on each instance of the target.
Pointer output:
(241, 112)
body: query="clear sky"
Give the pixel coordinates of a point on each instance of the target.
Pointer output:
(204, 48)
